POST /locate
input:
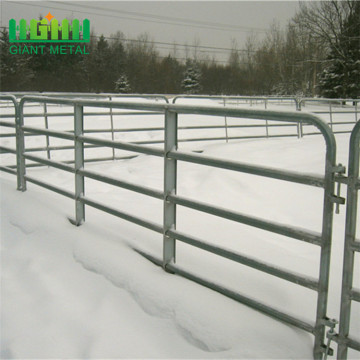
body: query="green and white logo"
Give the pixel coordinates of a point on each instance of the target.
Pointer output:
(49, 30)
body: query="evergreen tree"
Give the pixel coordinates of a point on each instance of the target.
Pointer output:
(15, 73)
(341, 78)
(122, 85)
(169, 76)
(191, 81)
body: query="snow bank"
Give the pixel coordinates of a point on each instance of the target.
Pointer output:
(53, 308)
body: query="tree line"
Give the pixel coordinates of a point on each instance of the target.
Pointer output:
(317, 53)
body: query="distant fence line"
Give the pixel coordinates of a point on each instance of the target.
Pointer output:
(224, 131)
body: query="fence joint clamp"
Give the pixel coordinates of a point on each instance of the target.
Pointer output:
(339, 169)
(330, 334)
(337, 199)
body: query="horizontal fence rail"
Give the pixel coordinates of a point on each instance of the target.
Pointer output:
(89, 95)
(225, 99)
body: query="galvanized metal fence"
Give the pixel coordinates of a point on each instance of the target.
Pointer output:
(171, 200)
(352, 245)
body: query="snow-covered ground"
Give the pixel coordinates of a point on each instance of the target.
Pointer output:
(83, 292)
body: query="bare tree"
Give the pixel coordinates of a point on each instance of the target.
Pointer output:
(325, 20)
(234, 57)
(195, 46)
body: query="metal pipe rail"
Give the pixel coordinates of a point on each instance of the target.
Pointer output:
(226, 98)
(86, 113)
(352, 245)
(327, 100)
(170, 200)
(87, 95)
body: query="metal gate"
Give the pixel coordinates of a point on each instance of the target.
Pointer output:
(352, 245)
(323, 239)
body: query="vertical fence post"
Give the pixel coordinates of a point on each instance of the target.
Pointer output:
(298, 103)
(267, 128)
(20, 148)
(226, 125)
(79, 164)
(356, 110)
(350, 233)
(170, 171)
(299, 129)
(112, 127)
(331, 119)
(47, 127)
(325, 255)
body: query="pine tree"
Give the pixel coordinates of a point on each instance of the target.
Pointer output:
(15, 73)
(191, 81)
(341, 78)
(122, 85)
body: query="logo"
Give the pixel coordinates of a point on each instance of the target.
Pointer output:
(49, 30)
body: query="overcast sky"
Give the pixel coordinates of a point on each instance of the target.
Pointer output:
(207, 23)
